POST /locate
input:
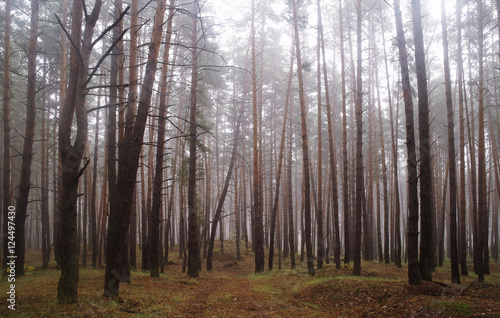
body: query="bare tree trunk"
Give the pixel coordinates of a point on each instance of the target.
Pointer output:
(462, 241)
(6, 197)
(258, 225)
(289, 191)
(280, 165)
(119, 219)
(72, 154)
(193, 224)
(154, 239)
(345, 177)
(220, 204)
(455, 272)
(426, 207)
(45, 185)
(360, 190)
(482, 210)
(414, 277)
(27, 155)
(305, 146)
(319, 209)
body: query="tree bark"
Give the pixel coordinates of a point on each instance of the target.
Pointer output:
(222, 198)
(193, 224)
(426, 206)
(462, 208)
(6, 197)
(455, 272)
(119, 218)
(154, 239)
(27, 155)
(482, 209)
(305, 145)
(258, 225)
(360, 189)
(278, 173)
(72, 154)
(414, 277)
(345, 163)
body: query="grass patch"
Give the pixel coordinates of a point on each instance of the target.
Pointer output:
(454, 308)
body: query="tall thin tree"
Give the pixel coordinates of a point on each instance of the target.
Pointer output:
(305, 144)
(414, 277)
(455, 272)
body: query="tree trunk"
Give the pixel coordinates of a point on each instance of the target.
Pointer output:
(360, 191)
(258, 225)
(222, 198)
(305, 146)
(72, 154)
(426, 207)
(6, 197)
(455, 272)
(27, 155)
(414, 277)
(319, 210)
(280, 165)
(193, 224)
(482, 209)
(45, 186)
(462, 208)
(154, 239)
(119, 218)
(345, 177)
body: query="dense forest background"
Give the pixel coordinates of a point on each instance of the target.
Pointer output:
(312, 131)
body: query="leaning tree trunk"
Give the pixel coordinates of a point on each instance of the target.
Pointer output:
(119, 218)
(222, 198)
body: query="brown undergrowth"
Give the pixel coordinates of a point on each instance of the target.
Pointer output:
(233, 290)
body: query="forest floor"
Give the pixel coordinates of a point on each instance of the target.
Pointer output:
(232, 289)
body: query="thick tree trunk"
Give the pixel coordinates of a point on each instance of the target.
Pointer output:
(414, 277)
(119, 218)
(425, 176)
(193, 224)
(258, 223)
(72, 154)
